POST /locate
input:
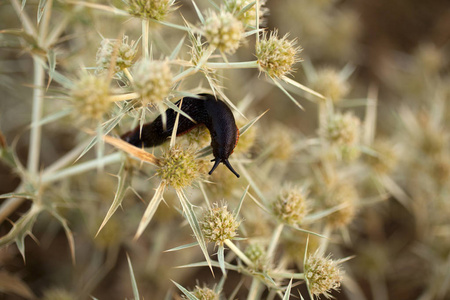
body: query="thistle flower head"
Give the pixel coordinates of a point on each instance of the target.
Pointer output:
(342, 130)
(150, 9)
(153, 80)
(276, 56)
(257, 254)
(386, 158)
(247, 18)
(205, 293)
(342, 193)
(219, 224)
(330, 84)
(90, 96)
(323, 275)
(291, 205)
(223, 31)
(121, 50)
(179, 167)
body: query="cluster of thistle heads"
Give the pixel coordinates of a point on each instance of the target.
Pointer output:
(302, 201)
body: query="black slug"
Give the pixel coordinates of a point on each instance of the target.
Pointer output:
(207, 110)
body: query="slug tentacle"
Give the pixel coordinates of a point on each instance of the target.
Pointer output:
(207, 110)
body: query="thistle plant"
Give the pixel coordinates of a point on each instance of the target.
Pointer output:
(358, 164)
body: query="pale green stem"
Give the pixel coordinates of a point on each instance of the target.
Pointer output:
(123, 97)
(82, 167)
(128, 74)
(68, 158)
(324, 242)
(238, 252)
(253, 293)
(233, 65)
(24, 19)
(38, 99)
(45, 21)
(184, 74)
(11, 204)
(145, 23)
(322, 110)
(274, 241)
(287, 275)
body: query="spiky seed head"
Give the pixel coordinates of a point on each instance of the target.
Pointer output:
(323, 274)
(218, 224)
(205, 293)
(257, 254)
(330, 84)
(153, 80)
(123, 52)
(90, 96)
(247, 18)
(179, 167)
(199, 137)
(150, 9)
(342, 193)
(223, 31)
(276, 56)
(342, 129)
(386, 158)
(291, 205)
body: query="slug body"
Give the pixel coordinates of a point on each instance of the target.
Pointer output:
(207, 110)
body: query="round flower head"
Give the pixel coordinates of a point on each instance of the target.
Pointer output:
(153, 80)
(257, 254)
(205, 293)
(219, 224)
(248, 18)
(291, 205)
(342, 129)
(150, 9)
(90, 96)
(276, 56)
(179, 167)
(123, 52)
(223, 31)
(330, 84)
(343, 193)
(323, 275)
(386, 158)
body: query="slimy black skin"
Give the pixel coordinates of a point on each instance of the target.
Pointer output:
(207, 110)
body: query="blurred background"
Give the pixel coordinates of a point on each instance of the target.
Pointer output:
(396, 51)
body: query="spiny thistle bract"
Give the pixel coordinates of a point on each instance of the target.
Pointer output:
(205, 293)
(323, 275)
(247, 18)
(178, 167)
(150, 9)
(218, 224)
(276, 56)
(223, 31)
(120, 50)
(328, 83)
(342, 129)
(291, 205)
(152, 80)
(90, 96)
